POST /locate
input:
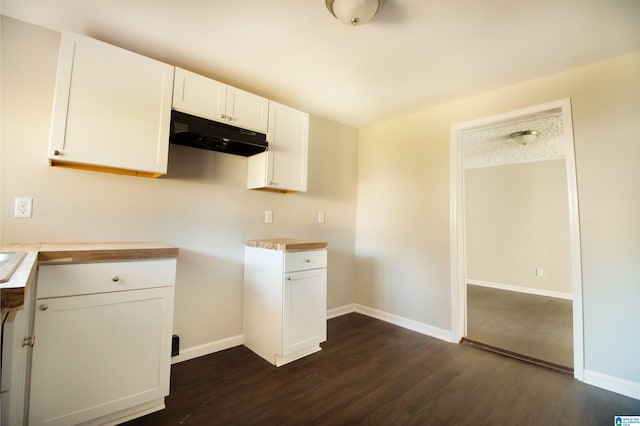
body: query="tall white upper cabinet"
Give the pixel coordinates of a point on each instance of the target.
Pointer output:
(112, 109)
(283, 167)
(203, 97)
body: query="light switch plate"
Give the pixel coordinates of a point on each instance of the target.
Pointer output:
(268, 216)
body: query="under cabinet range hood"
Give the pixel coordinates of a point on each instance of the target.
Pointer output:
(198, 132)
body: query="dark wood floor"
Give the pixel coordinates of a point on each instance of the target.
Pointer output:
(374, 373)
(539, 327)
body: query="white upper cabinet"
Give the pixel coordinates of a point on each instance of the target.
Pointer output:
(112, 109)
(283, 167)
(197, 95)
(203, 97)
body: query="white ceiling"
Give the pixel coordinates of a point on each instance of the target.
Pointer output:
(413, 55)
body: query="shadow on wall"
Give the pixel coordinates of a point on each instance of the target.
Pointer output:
(194, 164)
(208, 297)
(368, 275)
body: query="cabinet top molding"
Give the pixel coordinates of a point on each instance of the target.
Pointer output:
(287, 244)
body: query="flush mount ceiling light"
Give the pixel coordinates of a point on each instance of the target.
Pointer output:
(354, 12)
(525, 136)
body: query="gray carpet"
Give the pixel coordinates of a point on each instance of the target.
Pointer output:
(535, 326)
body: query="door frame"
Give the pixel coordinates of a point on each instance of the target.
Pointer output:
(458, 259)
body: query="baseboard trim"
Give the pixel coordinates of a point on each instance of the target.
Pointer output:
(520, 289)
(407, 323)
(613, 384)
(341, 310)
(207, 348)
(220, 345)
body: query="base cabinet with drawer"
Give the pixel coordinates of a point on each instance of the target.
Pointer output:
(285, 303)
(103, 348)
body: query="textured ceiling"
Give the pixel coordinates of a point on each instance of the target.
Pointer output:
(413, 55)
(495, 147)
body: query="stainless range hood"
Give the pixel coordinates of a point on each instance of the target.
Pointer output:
(198, 132)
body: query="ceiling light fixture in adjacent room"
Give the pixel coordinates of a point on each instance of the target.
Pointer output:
(525, 136)
(354, 12)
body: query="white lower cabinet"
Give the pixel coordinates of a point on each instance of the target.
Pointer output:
(285, 303)
(103, 341)
(304, 310)
(17, 337)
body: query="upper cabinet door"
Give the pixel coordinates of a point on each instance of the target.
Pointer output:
(288, 139)
(112, 109)
(203, 97)
(200, 96)
(283, 167)
(247, 110)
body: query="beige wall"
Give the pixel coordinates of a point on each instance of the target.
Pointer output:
(517, 220)
(201, 205)
(402, 222)
(403, 205)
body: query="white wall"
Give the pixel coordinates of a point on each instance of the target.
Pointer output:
(402, 172)
(403, 206)
(200, 206)
(516, 221)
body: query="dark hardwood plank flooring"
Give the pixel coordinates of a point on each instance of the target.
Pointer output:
(375, 373)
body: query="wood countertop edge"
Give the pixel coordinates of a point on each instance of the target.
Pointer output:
(98, 255)
(283, 244)
(13, 297)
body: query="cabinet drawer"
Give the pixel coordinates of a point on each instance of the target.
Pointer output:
(104, 277)
(302, 260)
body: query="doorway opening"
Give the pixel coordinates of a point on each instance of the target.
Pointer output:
(515, 243)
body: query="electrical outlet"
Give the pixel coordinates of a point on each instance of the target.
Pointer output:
(23, 207)
(320, 217)
(268, 216)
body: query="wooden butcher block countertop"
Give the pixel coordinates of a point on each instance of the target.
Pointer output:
(12, 293)
(287, 244)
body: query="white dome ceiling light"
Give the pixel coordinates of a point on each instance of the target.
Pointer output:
(354, 12)
(525, 136)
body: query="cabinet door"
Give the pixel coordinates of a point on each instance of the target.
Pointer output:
(288, 143)
(200, 96)
(283, 167)
(305, 310)
(112, 108)
(98, 354)
(16, 358)
(247, 110)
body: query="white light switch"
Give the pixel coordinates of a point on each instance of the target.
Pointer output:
(320, 217)
(539, 272)
(268, 216)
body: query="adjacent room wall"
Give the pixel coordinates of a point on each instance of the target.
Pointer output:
(403, 246)
(517, 221)
(201, 206)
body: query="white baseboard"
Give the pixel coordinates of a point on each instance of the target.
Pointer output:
(613, 384)
(604, 381)
(407, 323)
(207, 348)
(220, 345)
(520, 289)
(341, 310)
